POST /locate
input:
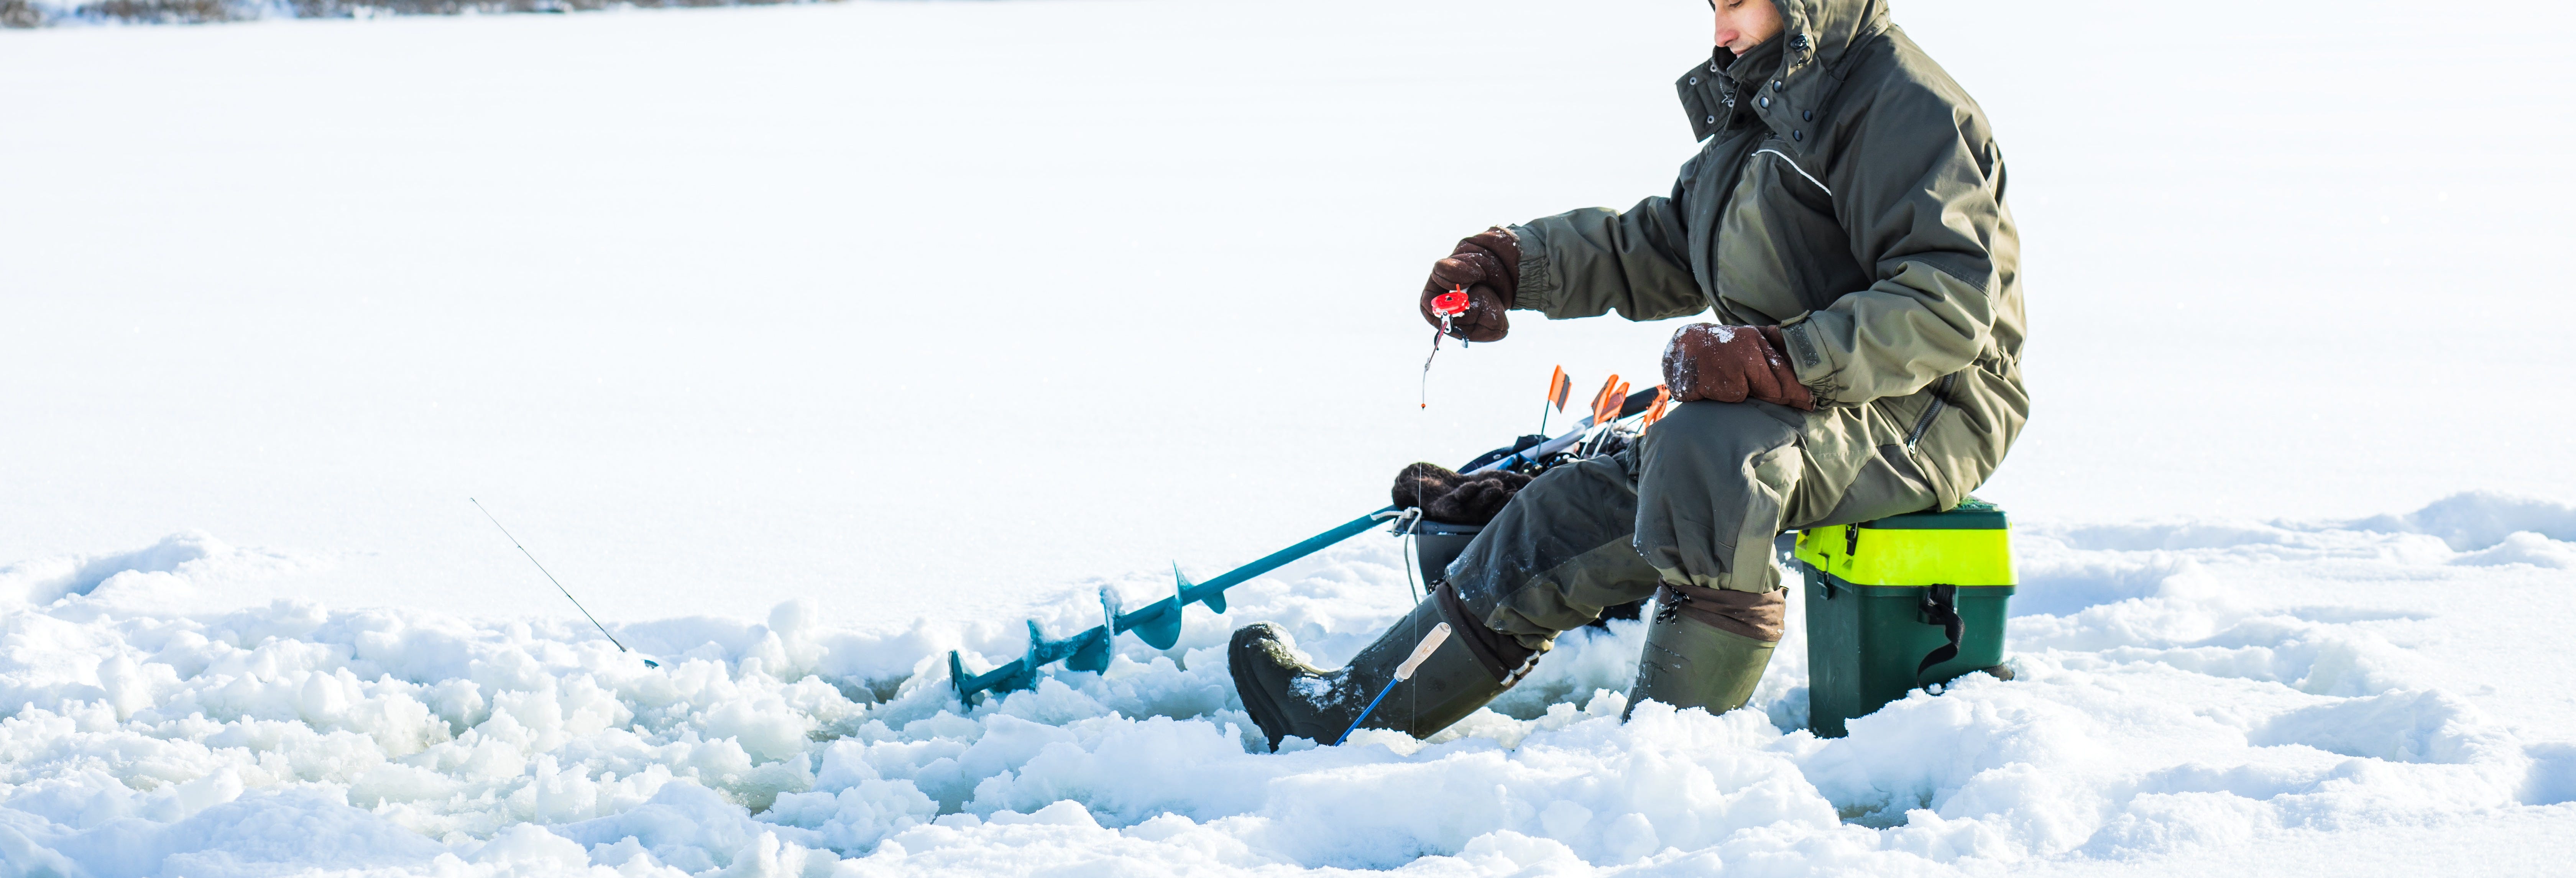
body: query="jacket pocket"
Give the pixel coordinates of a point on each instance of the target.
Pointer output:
(1940, 401)
(1927, 437)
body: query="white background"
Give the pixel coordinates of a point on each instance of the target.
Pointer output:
(917, 308)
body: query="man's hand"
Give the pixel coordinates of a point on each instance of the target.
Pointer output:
(1706, 361)
(1488, 264)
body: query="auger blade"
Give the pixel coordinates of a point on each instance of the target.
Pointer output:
(1037, 657)
(1090, 651)
(1158, 624)
(1007, 678)
(1043, 651)
(1213, 598)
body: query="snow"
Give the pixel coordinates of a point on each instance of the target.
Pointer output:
(2183, 690)
(809, 343)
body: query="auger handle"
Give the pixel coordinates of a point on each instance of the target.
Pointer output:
(1422, 653)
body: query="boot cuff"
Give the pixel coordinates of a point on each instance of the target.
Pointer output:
(1500, 654)
(1758, 615)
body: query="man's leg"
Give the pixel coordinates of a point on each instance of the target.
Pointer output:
(1713, 481)
(1692, 509)
(1567, 546)
(1560, 552)
(1557, 554)
(1716, 482)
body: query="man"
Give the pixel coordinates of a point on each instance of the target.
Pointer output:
(1845, 220)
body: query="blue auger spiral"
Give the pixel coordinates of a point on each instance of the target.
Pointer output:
(1157, 623)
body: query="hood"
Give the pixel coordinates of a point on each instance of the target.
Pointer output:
(1800, 68)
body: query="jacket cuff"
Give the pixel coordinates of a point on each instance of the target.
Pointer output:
(1806, 353)
(1538, 290)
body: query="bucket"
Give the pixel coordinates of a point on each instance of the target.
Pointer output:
(1882, 598)
(1436, 543)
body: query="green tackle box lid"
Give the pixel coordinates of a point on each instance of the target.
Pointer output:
(1970, 514)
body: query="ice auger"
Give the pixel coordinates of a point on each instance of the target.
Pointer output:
(1159, 623)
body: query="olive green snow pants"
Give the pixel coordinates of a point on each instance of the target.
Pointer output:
(1696, 501)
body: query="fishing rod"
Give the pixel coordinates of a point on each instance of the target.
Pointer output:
(559, 586)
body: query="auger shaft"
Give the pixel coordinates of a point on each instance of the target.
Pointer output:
(1159, 623)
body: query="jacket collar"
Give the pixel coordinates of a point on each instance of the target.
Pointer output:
(1787, 79)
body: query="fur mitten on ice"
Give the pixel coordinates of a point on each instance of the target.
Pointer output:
(1446, 496)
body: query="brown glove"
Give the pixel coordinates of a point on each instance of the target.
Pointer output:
(1706, 361)
(1488, 264)
(1444, 495)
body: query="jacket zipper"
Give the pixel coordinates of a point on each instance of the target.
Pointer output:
(1940, 397)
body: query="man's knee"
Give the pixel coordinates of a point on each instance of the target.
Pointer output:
(1712, 479)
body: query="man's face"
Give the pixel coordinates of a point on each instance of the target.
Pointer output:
(1744, 24)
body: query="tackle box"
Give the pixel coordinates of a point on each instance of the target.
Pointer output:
(1886, 600)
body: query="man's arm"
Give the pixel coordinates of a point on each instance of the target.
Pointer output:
(1583, 262)
(1923, 202)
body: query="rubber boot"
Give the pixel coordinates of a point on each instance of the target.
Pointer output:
(1688, 663)
(1289, 696)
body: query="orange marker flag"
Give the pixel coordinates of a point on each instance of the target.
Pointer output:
(1663, 401)
(1605, 405)
(1559, 389)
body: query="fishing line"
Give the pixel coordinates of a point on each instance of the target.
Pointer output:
(1411, 544)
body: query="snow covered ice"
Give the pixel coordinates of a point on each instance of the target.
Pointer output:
(704, 304)
(2184, 689)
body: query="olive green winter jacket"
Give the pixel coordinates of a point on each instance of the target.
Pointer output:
(1850, 192)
